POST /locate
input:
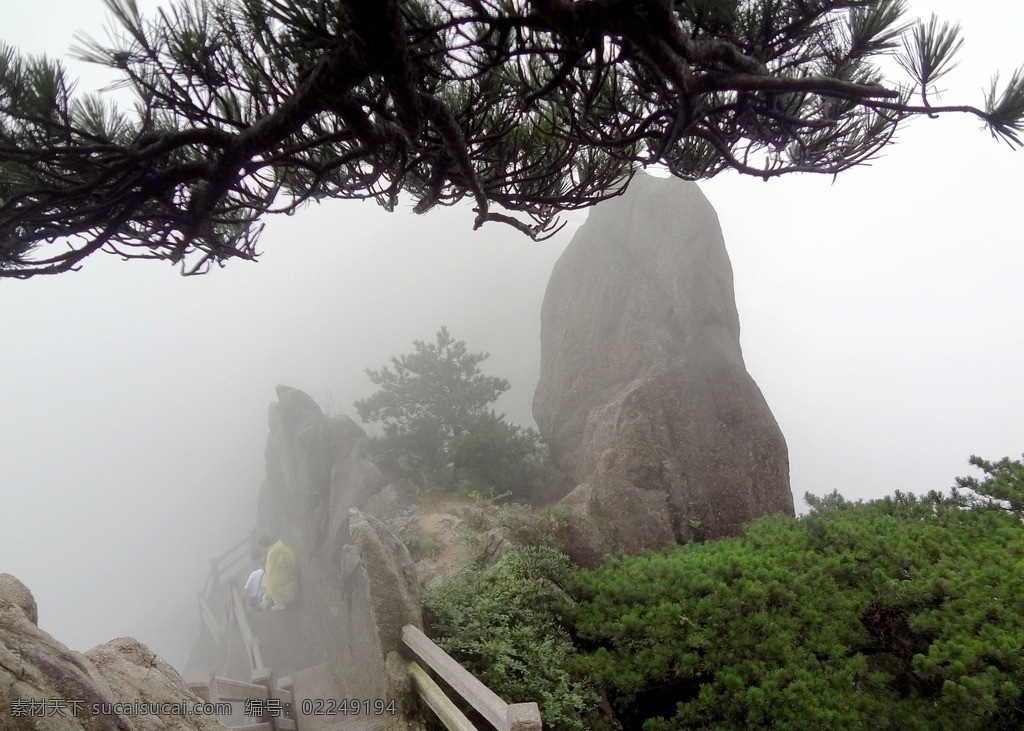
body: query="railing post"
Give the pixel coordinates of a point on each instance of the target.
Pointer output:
(262, 676)
(285, 691)
(203, 684)
(523, 717)
(214, 576)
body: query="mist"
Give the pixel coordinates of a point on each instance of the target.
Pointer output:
(880, 316)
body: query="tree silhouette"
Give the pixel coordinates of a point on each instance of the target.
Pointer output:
(525, 107)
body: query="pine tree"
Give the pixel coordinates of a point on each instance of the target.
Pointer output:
(439, 428)
(525, 107)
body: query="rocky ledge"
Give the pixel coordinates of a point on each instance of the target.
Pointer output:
(117, 686)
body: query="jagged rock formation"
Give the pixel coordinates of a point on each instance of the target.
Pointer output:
(351, 568)
(34, 667)
(643, 396)
(315, 473)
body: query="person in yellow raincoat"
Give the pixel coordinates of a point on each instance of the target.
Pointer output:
(282, 575)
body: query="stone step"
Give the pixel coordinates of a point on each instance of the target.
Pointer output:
(318, 684)
(355, 723)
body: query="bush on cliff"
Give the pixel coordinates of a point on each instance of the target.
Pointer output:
(900, 613)
(904, 612)
(506, 625)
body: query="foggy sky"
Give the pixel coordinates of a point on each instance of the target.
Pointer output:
(880, 315)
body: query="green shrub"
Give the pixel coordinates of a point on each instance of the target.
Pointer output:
(531, 527)
(506, 625)
(900, 613)
(440, 431)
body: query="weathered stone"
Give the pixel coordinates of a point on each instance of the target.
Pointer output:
(643, 396)
(611, 515)
(357, 582)
(15, 596)
(390, 579)
(494, 546)
(136, 674)
(316, 471)
(34, 667)
(386, 504)
(400, 688)
(476, 518)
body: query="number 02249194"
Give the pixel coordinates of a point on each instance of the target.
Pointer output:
(347, 706)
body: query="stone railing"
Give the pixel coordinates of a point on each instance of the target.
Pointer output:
(501, 715)
(267, 703)
(251, 641)
(212, 599)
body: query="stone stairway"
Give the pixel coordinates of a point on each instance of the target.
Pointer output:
(315, 689)
(294, 671)
(287, 649)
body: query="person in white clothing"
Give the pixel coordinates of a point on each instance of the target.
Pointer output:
(254, 594)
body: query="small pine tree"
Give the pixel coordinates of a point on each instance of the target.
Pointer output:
(439, 428)
(1003, 485)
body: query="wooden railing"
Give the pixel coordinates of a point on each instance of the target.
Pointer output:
(501, 715)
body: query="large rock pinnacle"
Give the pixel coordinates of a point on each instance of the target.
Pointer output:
(643, 395)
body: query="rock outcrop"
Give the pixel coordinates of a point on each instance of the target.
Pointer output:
(643, 396)
(117, 686)
(357, 582)
(392, 585)
(315, 473)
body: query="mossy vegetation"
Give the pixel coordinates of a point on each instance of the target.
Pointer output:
(905, 612)
(424, 545)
